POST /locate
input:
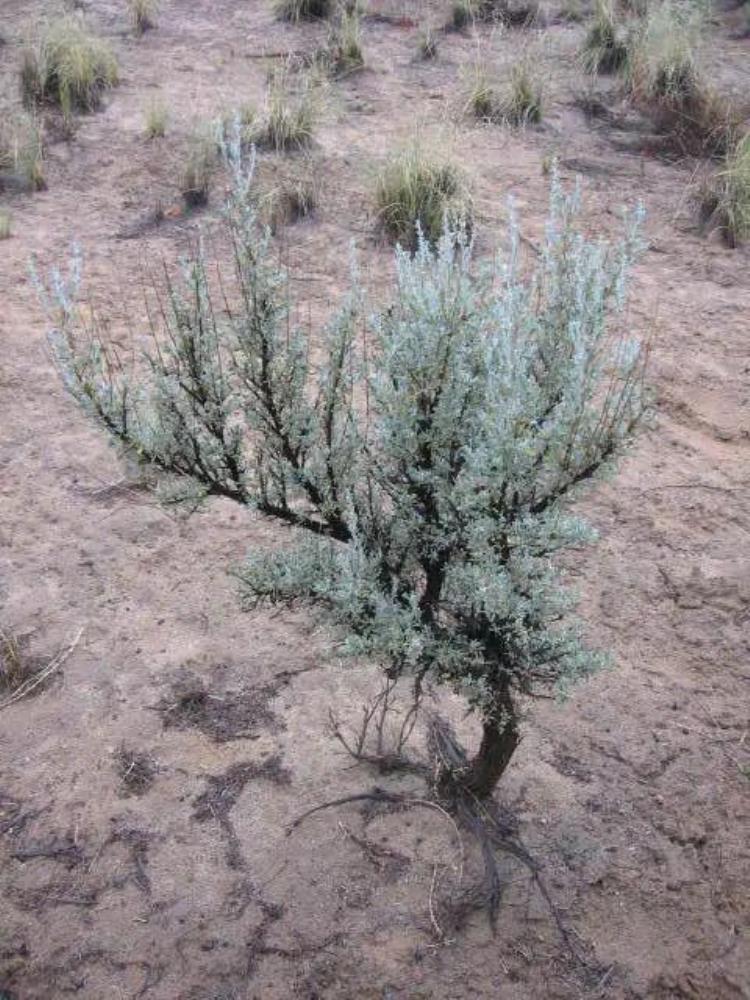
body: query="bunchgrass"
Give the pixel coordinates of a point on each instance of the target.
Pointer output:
(22, 151)
(661, 64)
(67, 66)
(342, 52)
(303, 10)
(6, 224)
(463, 12)
(16, 668)
(483, 100)
(427, 45)
(523, 102)
(294, 197)
(507, 12)
(156, 119)
(517, 101)
(418, 191)
(198, 170)
(725, 201)
(294, 104)
(605, 47)
(663, 78)
(143, 14)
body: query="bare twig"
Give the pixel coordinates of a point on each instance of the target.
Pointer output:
(52, 667)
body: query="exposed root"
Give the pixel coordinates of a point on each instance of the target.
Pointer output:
(494, 829)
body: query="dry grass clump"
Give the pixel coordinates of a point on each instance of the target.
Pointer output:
(663, 77)
(21, 153)
(605, 48)
(6, 224)
(416, 191)
(67, 66)
(16, 668)
(295, 197)
(303, 10)
(156, 119)
(725, 202)
(508, 12)
(427, 46)
(198, 171)
(661, 64)
(143, 14)
(342, 53)
(294, 106)
(520, 101)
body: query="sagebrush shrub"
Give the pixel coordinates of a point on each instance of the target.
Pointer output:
(416, 191)
(428, 468)
(68, 66)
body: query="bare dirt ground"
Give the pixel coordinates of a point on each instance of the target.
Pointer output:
(146, 792)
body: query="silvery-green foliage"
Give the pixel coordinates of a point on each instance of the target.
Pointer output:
(430, 450)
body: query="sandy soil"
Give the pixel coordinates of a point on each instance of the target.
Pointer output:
(171, 874)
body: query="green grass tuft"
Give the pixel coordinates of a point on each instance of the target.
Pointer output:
(6, 224)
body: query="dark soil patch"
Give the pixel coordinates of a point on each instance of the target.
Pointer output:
(136, 843)
(223, 791)
(222, 715)
(62, 849)
(135, 770)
